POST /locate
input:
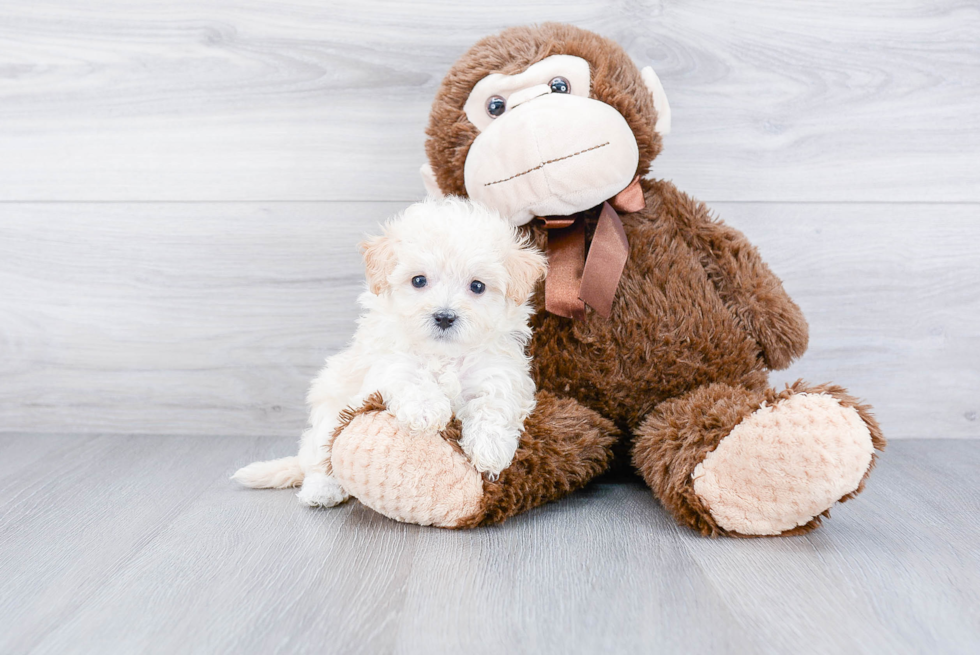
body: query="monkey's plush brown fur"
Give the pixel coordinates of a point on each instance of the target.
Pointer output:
(680, 432)
(697, 322)
(564, 446)
(615, 80)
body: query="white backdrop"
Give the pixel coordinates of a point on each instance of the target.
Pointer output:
(182, 185)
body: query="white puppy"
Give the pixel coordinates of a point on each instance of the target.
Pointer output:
(443, 332)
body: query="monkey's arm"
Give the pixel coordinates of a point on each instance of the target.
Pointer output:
(750, 290)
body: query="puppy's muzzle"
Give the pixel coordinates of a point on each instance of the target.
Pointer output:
(444, 319)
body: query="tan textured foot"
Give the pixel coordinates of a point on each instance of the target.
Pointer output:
(415, 479)
(784, 464)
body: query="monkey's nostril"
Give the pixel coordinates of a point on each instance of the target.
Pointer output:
(444, 319)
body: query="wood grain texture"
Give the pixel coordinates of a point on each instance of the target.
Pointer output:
(843, 138)
(213, 318)
(164, 316)
(891, 296)
(310, 100)
(141, 544)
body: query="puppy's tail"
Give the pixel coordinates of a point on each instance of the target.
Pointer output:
(274, 474)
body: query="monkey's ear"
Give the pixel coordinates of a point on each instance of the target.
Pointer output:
(379, 262)
(429, 181)
(525, 266)
(660, 103)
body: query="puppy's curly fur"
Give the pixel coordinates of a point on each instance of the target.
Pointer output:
(443, 334)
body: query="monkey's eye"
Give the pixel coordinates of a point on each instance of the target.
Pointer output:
(477, 287)
(418, 281)
(496, 106)
(560, 85)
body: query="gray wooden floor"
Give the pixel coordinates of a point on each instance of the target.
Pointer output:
(115, 544)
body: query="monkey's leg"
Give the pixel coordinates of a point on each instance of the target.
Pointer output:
(428, 480)
(726, 460)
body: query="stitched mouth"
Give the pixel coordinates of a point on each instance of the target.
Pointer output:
(545, 163)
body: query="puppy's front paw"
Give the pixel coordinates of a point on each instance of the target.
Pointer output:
(490, 447)
(321, 490)
(421, 413)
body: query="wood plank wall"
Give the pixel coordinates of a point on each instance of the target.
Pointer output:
(182, 185)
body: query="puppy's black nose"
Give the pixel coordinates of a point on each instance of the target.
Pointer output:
(444, 319)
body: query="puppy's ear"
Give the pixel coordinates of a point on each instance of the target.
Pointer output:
(525, 266)
(379, 261)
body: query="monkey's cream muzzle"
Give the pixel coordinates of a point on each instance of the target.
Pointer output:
(552, 154)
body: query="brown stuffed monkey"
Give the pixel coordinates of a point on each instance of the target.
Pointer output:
(655, 328)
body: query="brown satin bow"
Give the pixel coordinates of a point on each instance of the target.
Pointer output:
(575, 281)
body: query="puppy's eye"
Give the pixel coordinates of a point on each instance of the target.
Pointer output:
(496, 106)
(418, 281)
(477, 287)
(560, 85)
